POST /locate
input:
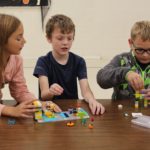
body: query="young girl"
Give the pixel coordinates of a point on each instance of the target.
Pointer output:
(11, 68)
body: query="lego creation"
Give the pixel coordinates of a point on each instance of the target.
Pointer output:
(140, 101)
(45, 113)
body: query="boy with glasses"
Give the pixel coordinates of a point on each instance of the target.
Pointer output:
(129, 73)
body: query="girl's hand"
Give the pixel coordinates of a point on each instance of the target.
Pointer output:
(23, 110)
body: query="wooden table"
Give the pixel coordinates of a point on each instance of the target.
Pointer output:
(112, 131)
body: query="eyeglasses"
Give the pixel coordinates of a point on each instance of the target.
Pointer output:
(141, 50)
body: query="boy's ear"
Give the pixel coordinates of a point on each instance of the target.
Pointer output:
(130, 43)
(48, 39)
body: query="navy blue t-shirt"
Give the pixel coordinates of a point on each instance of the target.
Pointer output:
(64, 75)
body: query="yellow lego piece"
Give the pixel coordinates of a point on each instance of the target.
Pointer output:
(48, 114)
(38, 115)
(37, 103)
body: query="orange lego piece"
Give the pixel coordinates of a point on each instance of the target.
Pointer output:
(25, 2)
(70, 124)
(90, 126)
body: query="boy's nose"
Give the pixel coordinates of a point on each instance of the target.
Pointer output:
(145, 54)
(65, 41)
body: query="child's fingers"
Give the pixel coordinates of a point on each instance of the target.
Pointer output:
(137, 84)
(57, 108)
(140, 83)
(91, 107)
(98, 108)
(56, 90)
(144, 91)
(102, 109)
(26, 116)
(59, 89)
(28, 102)
(31, 110)
(147, 97)
(30, 106)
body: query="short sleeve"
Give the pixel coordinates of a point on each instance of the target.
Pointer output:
(82, 70)
(40, 68)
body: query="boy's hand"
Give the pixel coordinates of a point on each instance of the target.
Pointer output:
(56, 89)
(135, 80)
(57, 108)
(23, 110)
(51, 106)
(146, 93)
(96, 107)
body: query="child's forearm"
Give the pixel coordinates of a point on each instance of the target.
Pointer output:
(8, 111)
(46, 95)
(88, 96)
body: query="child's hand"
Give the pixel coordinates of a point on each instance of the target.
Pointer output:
(96, 107)
(146, 93)
(23, 110)
(135, 80)
(51, 106)
(57, 108)
(56, 89)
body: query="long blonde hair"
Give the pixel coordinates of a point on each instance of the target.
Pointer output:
(8, 25)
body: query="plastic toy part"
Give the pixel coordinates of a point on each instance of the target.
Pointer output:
(46, 115)
(136, 105)
(90, 126)
(37, 103)
(81, 114)
(92, 119)
(70, 124)
(145, 103)
(49, 114)
(139, 95)
(11, 121)
(83, 121)
(126, 114)
(50, 105)
(120, 106)
(38, 115)
(25, 2)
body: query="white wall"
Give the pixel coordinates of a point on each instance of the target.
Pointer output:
(102, 31)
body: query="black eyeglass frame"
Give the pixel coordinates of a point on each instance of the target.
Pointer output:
(141, 50)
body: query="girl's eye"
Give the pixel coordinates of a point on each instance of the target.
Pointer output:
(18, 39)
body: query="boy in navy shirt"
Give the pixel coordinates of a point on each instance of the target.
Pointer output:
(59, 69)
